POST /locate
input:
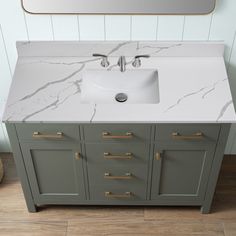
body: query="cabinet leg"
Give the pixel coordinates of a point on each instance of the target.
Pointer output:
(205, 209)
(32, 208)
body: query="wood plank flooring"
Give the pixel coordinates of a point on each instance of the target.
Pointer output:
(118, 221)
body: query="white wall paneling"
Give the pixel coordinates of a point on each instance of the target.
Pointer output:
(5, 70)
(144, 27)
(197, 27)
(117, 27)
(92, 27)
(65, 27)
(39, 27)
(223, 24)
(170, 27)
(13, 27)
(17, 25)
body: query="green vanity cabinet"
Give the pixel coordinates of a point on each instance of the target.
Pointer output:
(180, 172)
(118, 164)
(55, 172)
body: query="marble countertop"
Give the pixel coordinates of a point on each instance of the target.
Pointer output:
(193, 82)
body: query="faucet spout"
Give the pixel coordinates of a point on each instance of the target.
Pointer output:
(122, 63)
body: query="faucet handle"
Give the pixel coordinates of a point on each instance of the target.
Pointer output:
(99, 55)
(104, 63)
(137, 62)
(140, 56)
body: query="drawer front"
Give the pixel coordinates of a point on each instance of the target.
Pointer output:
(117, 193)
(105, 183)
(117, 153)
(117, 133)
(187, 132)
(48, 132)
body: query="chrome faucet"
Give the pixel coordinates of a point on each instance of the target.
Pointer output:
(104, 62)
(122, 63)
(137, 60)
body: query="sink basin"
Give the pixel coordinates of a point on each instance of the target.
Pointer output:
(131, 86)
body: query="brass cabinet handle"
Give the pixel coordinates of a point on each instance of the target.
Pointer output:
(107, 135)
(196, 136)
(126, 156)
(125, 195)
(158, 156)
(58, 135)
(107, 175)
(77, 156)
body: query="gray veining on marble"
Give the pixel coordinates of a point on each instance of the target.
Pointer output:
(94, 113)
(184, 97)
(53, 104)
(213, 88)
(208, 88)
(51, 83)
(224, 109)
(119, 46)
(158, 49)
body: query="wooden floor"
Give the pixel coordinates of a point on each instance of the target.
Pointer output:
(118, 221)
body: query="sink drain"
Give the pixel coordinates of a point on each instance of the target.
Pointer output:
(121, 97)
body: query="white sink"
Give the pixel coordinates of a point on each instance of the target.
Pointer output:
(137, 86)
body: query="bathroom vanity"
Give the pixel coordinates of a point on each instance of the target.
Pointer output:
(74, 143)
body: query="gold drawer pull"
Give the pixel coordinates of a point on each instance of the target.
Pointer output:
(77, 156)
(58, 135)
(126, 176)
(126, 156)
(158, 156)
(178, 136)
(125, 195)
(107, 135)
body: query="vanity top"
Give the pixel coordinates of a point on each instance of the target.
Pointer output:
(193, 83)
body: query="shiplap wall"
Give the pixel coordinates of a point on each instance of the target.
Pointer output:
(18, 25)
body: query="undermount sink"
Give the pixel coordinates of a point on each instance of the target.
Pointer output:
(131, 86)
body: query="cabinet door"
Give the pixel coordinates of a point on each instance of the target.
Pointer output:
(55, 172)
(180, 173)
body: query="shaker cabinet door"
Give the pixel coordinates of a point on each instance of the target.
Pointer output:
(180, 173)
(55, 172)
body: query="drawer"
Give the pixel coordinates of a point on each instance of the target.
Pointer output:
(48, 132)
(117, 153)
(117, 193)
(125, 175)
(117, 181)
(117, 132)
(187, 132)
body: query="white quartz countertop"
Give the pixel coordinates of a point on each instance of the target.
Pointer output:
(193, 83)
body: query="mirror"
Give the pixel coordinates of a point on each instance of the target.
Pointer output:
(119, 6)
